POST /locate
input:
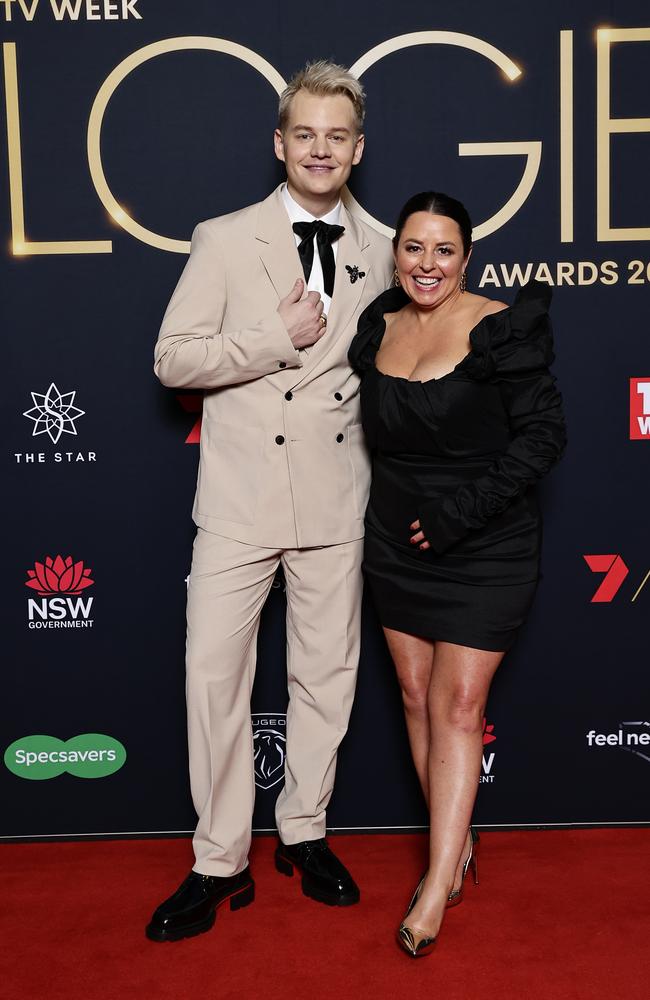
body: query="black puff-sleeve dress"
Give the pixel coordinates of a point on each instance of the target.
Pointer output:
(461, 453)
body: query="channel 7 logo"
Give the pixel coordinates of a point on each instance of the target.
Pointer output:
(640, 409)
(615, 572)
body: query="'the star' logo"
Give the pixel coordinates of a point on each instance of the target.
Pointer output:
(53, 413)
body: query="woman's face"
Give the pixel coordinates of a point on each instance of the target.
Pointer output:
(429, 258)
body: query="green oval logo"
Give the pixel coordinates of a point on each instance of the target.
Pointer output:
(91, 755)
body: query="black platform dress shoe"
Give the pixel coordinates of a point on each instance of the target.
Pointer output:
(324, 877)
(193, 907)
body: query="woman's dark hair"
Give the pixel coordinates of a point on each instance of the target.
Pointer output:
(437, 203)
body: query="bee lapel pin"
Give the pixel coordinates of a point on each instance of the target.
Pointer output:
(354, 273)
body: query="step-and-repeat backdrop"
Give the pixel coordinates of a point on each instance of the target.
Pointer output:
(128, 121)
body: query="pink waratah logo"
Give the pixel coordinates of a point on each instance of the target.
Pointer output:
(59, 576)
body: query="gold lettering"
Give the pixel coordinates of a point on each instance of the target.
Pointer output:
(532, 151)
(606, 127)
(512, 72)
(566, 136)
(516, 274)
(28, 11)
(128, 7)
(565, 272)
(20, 245)
(489, 277)
(543, 273)
(66, 8)
(587, 272)
(609, 270)
(108, 88)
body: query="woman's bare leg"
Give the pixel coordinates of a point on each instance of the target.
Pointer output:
(413, 659)
(458, 688)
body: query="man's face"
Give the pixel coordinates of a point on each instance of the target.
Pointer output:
(319, 146)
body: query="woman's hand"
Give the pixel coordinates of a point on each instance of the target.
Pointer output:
(418, 538)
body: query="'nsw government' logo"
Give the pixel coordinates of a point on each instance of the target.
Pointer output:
(59, 576)
(61, 584)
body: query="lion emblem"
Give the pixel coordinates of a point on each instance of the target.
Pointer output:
(269, 750)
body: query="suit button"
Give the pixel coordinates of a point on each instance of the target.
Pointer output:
(279, 439)
(337, 395)
(340, 437)
(288, 395)
(282, 364)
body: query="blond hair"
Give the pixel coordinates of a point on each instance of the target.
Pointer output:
(325, 79)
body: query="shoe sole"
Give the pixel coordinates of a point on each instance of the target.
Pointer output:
(286, 867)
(238, 899)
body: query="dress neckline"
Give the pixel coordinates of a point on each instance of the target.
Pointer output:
(441, 378)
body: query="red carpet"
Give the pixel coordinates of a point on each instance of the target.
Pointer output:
(558, 914)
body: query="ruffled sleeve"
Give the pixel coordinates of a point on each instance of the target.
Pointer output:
(371, 328)
(514, 349)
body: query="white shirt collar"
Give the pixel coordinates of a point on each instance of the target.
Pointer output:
(297, 213)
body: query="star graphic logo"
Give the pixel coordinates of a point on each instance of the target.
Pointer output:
(53, 413)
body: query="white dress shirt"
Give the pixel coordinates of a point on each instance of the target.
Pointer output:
(297, 213)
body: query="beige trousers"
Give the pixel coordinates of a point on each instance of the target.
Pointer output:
(229, 583)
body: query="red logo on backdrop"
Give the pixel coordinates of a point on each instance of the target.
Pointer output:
(192, 403)
(615, 572)
(59, 576)
(640, 409)
(488, 733)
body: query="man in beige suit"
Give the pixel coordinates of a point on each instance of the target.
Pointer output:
(283, 481)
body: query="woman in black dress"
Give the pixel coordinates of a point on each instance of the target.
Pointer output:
(462, 417)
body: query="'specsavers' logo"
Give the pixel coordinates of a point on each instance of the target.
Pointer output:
(487, 777)
(91, 755)
(59, 582)
(640, 409)
(269, 748)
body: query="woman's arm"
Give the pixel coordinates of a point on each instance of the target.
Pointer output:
(534, 408)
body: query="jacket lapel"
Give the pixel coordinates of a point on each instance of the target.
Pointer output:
(348, 288)
(348, 284)
(277, 245)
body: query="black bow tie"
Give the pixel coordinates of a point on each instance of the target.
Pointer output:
(325, 236)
